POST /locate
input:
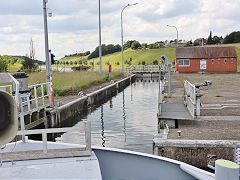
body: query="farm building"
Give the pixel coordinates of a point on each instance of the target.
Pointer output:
(209, 59)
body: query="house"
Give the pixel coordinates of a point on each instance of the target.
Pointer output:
(209, 59)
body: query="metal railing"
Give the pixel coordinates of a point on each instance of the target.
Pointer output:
(150, 68)
(237, 155)
(38, 101)
(7, 77)
(190, 95)
(54, 151)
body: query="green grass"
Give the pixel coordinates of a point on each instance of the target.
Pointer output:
(65, 83)
(147, 55)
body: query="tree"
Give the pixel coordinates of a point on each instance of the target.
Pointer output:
(210, 39)
(28, 63)
(3, 64)
(135, 45)
(155, 62)
(144, 45)
(216, 40)
(233, 37)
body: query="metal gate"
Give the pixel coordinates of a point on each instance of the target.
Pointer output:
(190, 97)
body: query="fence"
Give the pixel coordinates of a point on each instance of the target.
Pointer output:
(53, 151)
(190, 97)
(8, 78)
(150, 68)
(38, 102)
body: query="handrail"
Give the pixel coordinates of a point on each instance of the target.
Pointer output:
(13, 80)
(51, 153)
(36, 97)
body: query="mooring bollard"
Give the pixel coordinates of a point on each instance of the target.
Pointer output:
(226, 170)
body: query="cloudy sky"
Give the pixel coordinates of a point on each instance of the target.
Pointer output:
(74, 24)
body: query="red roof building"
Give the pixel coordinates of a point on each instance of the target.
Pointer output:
(209, 59)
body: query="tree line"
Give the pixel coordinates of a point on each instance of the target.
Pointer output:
(78, 54)
(6, 61)
(106, 49)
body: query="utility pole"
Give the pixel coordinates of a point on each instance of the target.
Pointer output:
(100, 40)
(46, 40)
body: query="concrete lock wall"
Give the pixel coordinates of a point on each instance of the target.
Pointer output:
(198, 157)
(79, 105)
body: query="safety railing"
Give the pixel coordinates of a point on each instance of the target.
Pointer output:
(150, 68)
(8, 78)
(51, 150)
(41, 98)
(237, 155)
(190, 97)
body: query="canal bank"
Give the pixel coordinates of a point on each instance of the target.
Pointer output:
(212, 135)
(83, 101)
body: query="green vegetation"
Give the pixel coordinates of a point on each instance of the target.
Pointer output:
(234, 37)
(65, 83)
(140, 56)
(106, 49)
(29, 64)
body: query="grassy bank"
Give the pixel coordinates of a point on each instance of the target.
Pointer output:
(138, 56)
(65, 83)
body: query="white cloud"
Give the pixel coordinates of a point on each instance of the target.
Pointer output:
(74, 25)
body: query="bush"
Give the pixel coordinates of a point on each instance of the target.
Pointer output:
(107, 63)
(143, 63)
(85, 62)
(3, 64)
(117, 63)
(155, 62)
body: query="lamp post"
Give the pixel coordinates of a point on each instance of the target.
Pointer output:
(46, 40)
(100, 43)
(176, 30)
(47, 52)
(128, 5)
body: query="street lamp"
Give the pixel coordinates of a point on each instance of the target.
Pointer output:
(100, 43)
(176, 30)
(128, 5)
(48, 65)
(46, 40)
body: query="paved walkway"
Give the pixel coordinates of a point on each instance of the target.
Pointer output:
(173, 107)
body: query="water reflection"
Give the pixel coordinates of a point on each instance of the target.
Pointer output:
(102, 122)
(124, 119)
(127, 120)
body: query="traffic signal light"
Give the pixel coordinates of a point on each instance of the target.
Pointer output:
(52, 58)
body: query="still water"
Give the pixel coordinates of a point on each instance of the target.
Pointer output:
(126, 121)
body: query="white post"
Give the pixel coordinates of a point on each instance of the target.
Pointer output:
(225, 169)
(22, 120)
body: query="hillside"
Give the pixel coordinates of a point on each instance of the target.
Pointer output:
(138, 56)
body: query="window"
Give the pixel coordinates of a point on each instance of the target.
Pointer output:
(184, 62)
(219, 60)
(231, 60)
(212, 61)
(225, 60)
